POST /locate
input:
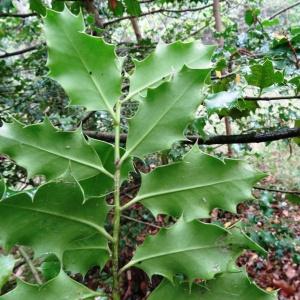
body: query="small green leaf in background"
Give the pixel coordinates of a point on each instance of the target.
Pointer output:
(228, 286)
(61, 287)
(216, 102)
(5, 5)
(194, 249)
(297, 139)
(199, 125)
(296, 82)
(50, 267)
(242, 109)
(278, 77)
(269, 23)
(133, 7)
(117, 7)
(251, 15)
(2, 188)
(58, 5)
(192, 188)
(38, 7)
(6, 267)
(293, 199)
(262, 75)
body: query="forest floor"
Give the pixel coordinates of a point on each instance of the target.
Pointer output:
(276, 227)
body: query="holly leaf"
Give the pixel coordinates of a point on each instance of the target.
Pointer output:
(165, 112)
(7, 264)
(293, 199)
(296, 82)
(84, 65)
(58, 5)
(133, 7)
(57, 220)
(43, 150)
(269, 23)
(50, 267)
(262, 75)
(228, 286)
(297, 139)
(251, 15)
(117, 7)
(38, 7)
(223, 100)
(194, 249)
(2, 188)
(61, 287)
(102, 184)
(166, 60)
(196, 185)
(241, 109)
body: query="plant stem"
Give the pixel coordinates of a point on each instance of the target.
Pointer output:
(117, 207)
(31, 266)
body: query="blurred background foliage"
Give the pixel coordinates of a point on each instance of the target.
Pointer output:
(257, 57)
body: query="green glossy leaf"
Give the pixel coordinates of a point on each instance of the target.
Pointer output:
(297, 139)
(84, 65)
(228, 286)
(6, 5)
(242, 109)
(199, 125)
(44, 150)
(58, 221)
(2, 188)
(50, 267)
(193, 187)
(262, 75)
(223, 100)
(58, 5)
(133, 7)
(251, 16)
(167, 60)
(37, 6)
(296, 82)
(60, 288)
(293, 199)
(117, 7)
(6, 267)
(194, 249)
(165, 113)
(269, 23)
(102, 184)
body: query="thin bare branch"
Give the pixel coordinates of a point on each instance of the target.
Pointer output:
(31, 266)
(254, 137)
(284, 10)
(22, 16)
(262, 188)
(161, 10)
(22, 51)
(274, 98)
(141, 222)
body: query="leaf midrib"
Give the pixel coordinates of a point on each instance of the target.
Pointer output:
(95, 167)
(98, 88)
(100, 229)
(178, 251)
(172, 191)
